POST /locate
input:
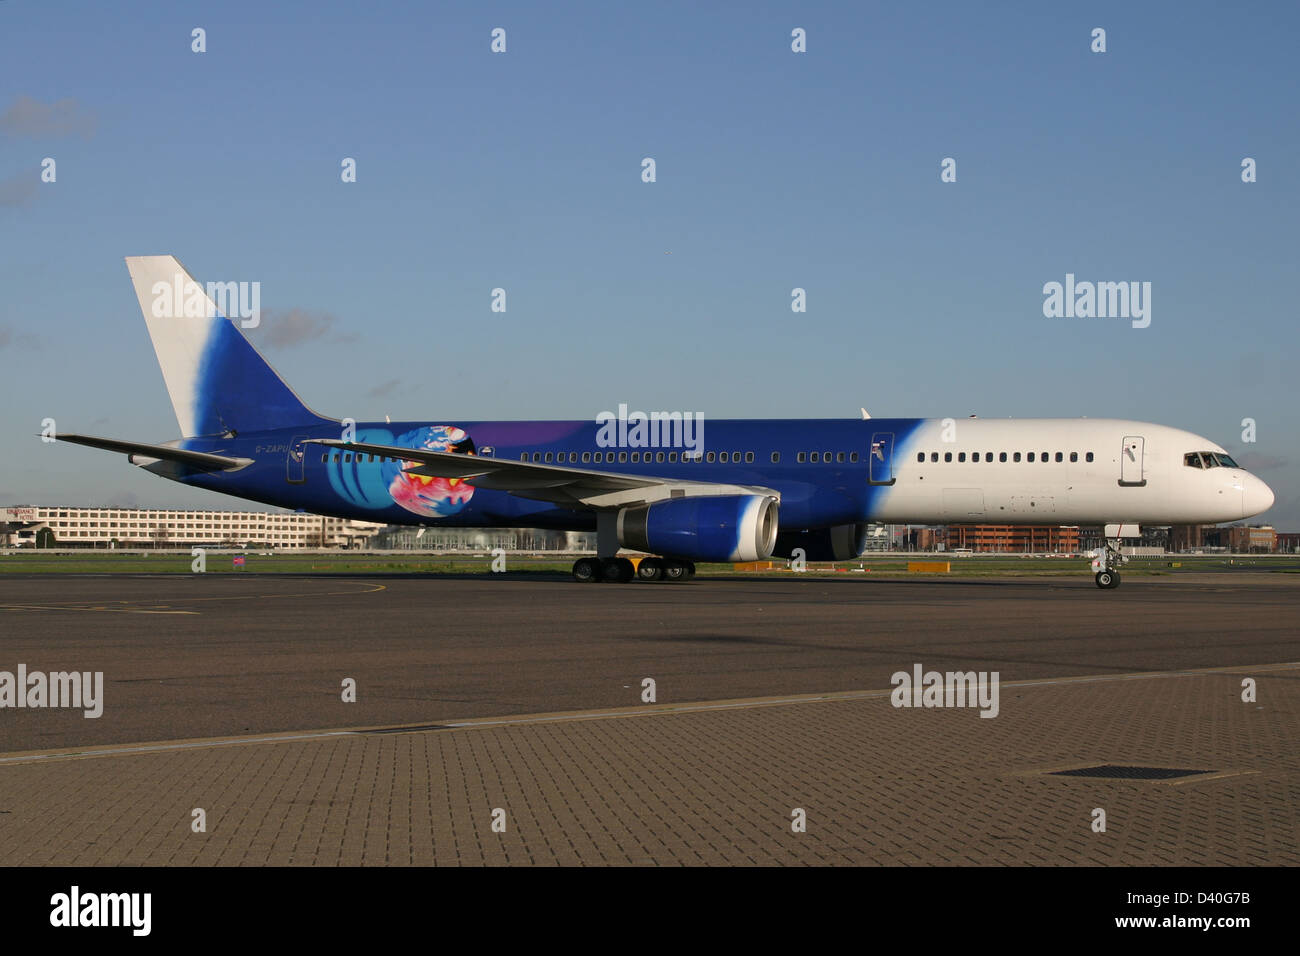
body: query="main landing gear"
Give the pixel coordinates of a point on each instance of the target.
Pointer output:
(1106, 564)
(622, 570)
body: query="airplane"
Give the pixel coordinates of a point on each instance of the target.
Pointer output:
(756, 489)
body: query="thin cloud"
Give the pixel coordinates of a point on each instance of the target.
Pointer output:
(294, 327)
(19, 340)
(30, 117)
(18, 190)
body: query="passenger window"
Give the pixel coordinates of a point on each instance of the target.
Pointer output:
(1002, 456)
(813, 457)
(853, 456)
(323, 457)
(547, 458)
(1074, 456)
(672, 456)
(659, 456)
(1015, 456)
(800, 457)
(722, 456)
(586, 456)
(1031, 456)
(947, 456)
(988, 456)
(920, 456)
(735, 456)
(776, 457)
(347, 458)
(1088, 457)
(523, 456)
(961, 456)
(537, 456)
(1044, 457)
(622, 456)
(709, 457)
(934, 457)
(749, 456)
(1060, 457)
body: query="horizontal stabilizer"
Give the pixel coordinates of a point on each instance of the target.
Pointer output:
(199, 459)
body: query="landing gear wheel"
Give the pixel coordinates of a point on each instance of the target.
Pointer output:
(676, 570)
(650, 569)
(1107, 579)
(586, 570)
(619, 570)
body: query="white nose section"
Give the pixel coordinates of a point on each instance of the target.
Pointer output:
(1256, 497)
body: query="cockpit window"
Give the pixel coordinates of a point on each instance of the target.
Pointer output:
(1208, 459)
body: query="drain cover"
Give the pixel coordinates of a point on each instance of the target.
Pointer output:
(1129, 773)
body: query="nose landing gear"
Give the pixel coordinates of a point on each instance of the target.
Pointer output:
(1106, 564)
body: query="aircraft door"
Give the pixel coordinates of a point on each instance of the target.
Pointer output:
(880, 460)
(1131, 473)
(296, 461)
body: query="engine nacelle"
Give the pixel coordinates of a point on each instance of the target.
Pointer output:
(838, 543)
(703, 528)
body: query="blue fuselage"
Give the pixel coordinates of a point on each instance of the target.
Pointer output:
(823, 468)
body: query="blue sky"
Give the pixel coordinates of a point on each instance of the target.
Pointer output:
(775, 170)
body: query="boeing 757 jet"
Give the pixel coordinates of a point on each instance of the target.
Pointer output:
(749, 490)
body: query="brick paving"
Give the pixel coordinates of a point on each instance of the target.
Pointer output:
(716, 786)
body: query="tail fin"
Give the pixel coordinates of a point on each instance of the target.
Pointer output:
(217, 381)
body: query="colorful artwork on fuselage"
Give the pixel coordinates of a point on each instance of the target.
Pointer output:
(423, 494)
(382, 482)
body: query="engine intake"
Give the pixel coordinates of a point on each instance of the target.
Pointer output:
(703, 528)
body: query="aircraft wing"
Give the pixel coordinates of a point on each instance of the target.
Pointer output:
(560, 484)
(153, 453)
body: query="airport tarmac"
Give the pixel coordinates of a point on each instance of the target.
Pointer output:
(772, 695)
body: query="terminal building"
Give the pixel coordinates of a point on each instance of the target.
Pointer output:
(29, 526)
